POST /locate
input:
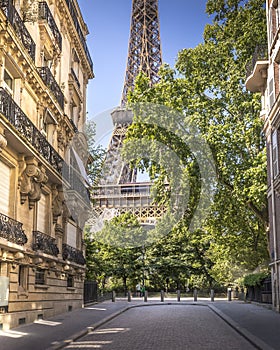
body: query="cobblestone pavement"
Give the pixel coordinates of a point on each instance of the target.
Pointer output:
(172, 327)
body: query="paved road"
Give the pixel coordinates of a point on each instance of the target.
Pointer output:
(172, 327)
(43, 334)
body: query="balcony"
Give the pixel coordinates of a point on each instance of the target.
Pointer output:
(44, 243)
(45, 14)
(15, 20)
(11, 230)
(256, 70)
(13, 113)
(79, 30)
(50, 81)
(72, 254)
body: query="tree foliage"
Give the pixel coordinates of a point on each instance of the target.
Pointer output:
(208, 87)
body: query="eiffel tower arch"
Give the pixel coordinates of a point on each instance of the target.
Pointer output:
(118, 192)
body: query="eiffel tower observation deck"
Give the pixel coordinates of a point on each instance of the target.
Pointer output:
(118, 191)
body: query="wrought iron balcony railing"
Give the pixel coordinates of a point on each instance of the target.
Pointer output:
(259, 54)
(45, 13)
(11, 230)
(79, 30)
(14, 114)
(72, 254)
(75, 78)
(27, 129)
(44, 243)
(50, 81)
(14, 18)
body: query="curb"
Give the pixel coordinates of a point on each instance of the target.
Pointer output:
(255, 341)
(76, 336)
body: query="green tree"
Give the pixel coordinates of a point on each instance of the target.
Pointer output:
(118, 250)
(96, 154)
(207, 86)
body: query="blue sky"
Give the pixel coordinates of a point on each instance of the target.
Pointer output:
(181, 26)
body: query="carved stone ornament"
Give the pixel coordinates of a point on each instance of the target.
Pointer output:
(32, 177)
(57, 202)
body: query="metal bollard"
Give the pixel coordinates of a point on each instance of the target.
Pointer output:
(146, 296)
(229, 294)
(195, 295)
(178, 295)
(212, 294)
(162, 295)
(113, 296)
(129, 296)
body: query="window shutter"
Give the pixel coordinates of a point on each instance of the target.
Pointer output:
(42, 214)
(271, 94)
(275, 154)
(5, 173)
(71, 235)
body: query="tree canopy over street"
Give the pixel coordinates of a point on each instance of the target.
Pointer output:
(207, 87)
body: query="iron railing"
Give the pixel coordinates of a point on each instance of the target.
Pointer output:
(50, 81)
(28, 130)
(10, 110)
(45, 14)
(259, 54)
(74, 17)
(22, 33)
(11, 230)
(72, 254)
(75, 78)
(44, 243)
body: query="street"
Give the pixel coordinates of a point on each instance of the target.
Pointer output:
(170, 327)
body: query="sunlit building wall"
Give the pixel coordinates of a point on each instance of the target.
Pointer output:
(45, 66)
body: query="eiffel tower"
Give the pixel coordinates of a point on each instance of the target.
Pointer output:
(118, 190)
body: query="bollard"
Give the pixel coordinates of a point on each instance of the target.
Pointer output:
(212, 294)
(229, 294)
(195, 295)
(113, 296)
(146, 296)
(178, 295)
(162, 295)
(129, 296)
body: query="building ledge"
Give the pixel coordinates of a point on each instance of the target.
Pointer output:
(257, 80)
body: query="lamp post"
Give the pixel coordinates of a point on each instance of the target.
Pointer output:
(143, 264)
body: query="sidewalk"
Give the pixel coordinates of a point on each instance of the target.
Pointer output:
(258, 324)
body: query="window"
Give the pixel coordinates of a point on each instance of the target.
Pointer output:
(5, 174)
(75, 63)
(40, 276)
(43, 214)
(271, 87)
(70, 281)
(275, 154)
(22, 277)
(71, 235)
(8, 82)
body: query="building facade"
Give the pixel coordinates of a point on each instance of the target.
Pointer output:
(264, 77)
(45, 66)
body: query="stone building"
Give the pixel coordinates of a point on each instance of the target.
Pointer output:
(263, 77)
(44, 70)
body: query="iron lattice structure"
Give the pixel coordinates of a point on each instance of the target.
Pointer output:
(144, 49)
(118, 191)
(144, 55)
